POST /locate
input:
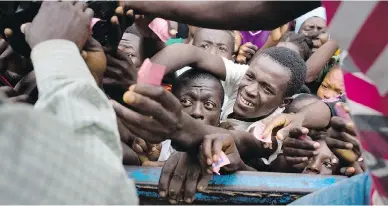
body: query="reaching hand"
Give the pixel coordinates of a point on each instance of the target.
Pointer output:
(95, 59)
(119, 76)
(296, 148)
(181, 176)
(151, 151)
(246, 52)
(157, 114)
(60, 20)
(342, 140)
(211, 149)
(14, 96)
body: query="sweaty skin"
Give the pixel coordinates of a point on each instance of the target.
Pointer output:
(333, 84)
(217, 42)
(201, 100)
(262, 89)
(325, 163)
(131, 45)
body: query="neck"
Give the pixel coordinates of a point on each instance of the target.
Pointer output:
(252, 119)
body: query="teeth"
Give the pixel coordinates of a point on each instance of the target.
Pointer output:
(246, 102)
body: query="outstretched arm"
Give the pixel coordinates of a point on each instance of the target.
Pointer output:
(237, 15)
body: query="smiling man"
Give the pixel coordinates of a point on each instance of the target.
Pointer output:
(254, 92)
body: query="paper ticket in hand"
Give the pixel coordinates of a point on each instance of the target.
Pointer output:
(341, 112)
(150, 73)
(257, 129)
(161, 28)
(224, 160)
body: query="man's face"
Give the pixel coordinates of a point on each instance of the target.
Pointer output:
(217, 42)
(201, 99)
(323, 163)
(262, 89)
(315, 28)
(131, 45)
(332, 86)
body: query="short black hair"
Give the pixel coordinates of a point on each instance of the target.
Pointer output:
(133, 30)
(230, 32)
(303, 42)
(294, 64)
(295, 107)
(192, 75)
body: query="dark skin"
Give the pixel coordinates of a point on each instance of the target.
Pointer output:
(262, 89)
(201, 99)
(325, 163)
(263, 86)
(154, 101)
(130, 44)
(184, 173)
(148, 100)
(217, 42)
(315, 28)
(323, 50)
(120, 74)
(237, 15)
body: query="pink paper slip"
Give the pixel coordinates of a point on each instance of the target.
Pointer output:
(224, 160)
(161, 28)
(341, 112)
(257, 130)
(150, 73)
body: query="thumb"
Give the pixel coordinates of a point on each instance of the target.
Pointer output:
(25, 28)
(278, 121)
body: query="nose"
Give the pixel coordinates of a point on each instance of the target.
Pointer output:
(314, 166)
(252, 90)
(329, 94)
(197, 112)
(213, 50)
(314, 33)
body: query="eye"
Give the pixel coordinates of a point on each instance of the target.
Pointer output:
(327, 164)
(324, 86)
(204, 46)
(209, 105)
(249, 76)
(267, 90)
(130, 55)
(223, 49)
(186, 102)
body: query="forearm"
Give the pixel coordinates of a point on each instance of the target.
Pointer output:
(68, 90)
(249, 147)
(319, 59)
(177, 56)
(236, 15)
(192, 133)
(321, 117)
(151, 47)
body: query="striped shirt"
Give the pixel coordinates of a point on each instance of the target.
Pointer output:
(365, 58)
(67, 150)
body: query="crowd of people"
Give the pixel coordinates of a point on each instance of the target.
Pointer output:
(273, 99)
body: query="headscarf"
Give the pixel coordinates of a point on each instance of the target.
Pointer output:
(318, 12)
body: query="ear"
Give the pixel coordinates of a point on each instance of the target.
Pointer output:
(286, 101)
